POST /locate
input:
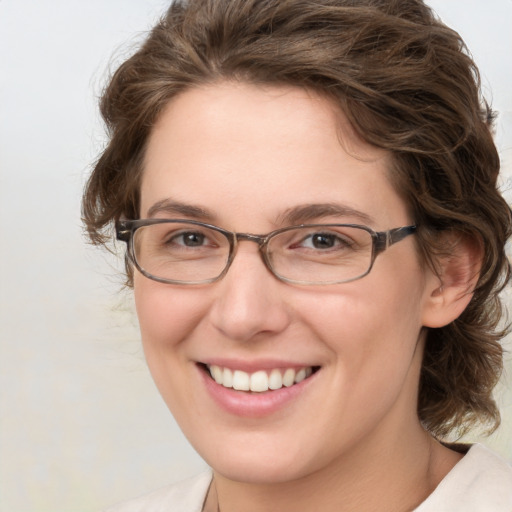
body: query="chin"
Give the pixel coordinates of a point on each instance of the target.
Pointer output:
(260, 462)
(262, 472)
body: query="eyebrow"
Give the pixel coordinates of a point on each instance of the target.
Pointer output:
(293, 216)
(310, 212)
(171, 207)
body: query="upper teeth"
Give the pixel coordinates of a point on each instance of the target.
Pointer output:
(259, 381)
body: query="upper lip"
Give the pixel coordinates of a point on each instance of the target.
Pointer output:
(255, 365)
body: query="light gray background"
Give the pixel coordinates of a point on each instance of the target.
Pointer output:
(81, 424)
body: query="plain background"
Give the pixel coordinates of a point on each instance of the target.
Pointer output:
(81, 424)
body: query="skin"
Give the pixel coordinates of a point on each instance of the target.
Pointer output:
(352, 439)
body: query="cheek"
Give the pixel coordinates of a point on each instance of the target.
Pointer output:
(366, 313)
(372, 331)
(166, 314)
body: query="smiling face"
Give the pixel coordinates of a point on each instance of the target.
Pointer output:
(252, 159)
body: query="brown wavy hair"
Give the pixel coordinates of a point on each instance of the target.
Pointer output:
(407, 84)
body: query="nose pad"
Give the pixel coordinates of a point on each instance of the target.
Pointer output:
(249, 300)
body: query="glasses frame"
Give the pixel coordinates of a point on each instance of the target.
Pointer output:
(381, 240)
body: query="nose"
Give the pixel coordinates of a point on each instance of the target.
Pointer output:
(249, 301)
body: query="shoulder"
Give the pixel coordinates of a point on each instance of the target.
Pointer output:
(480, 482)
(185, 496)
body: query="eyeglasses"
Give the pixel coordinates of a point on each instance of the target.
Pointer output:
(191, 252)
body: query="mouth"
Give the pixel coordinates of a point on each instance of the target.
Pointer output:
(260, 381)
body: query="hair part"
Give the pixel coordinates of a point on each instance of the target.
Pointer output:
(405, 82)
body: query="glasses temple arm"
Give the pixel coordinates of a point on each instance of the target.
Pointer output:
(387, 238)
(123, 231)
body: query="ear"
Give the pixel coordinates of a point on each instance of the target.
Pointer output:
(450, 289)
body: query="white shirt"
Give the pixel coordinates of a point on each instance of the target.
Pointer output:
(480, 482)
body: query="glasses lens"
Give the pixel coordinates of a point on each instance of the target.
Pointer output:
(321, 254)
(180, 251)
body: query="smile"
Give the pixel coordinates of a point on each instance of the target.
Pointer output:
(260, 381)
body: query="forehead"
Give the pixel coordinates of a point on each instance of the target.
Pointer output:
(248, 150)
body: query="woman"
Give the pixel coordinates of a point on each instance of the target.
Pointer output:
(316, 243)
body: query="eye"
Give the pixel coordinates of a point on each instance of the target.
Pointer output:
(324, 241)
(188, 239)
(321, 241)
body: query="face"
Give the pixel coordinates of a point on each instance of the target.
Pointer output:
(243, 157)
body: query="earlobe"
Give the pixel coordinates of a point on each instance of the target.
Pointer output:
(451, 289)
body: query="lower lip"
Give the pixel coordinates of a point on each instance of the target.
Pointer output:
(253, 405)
